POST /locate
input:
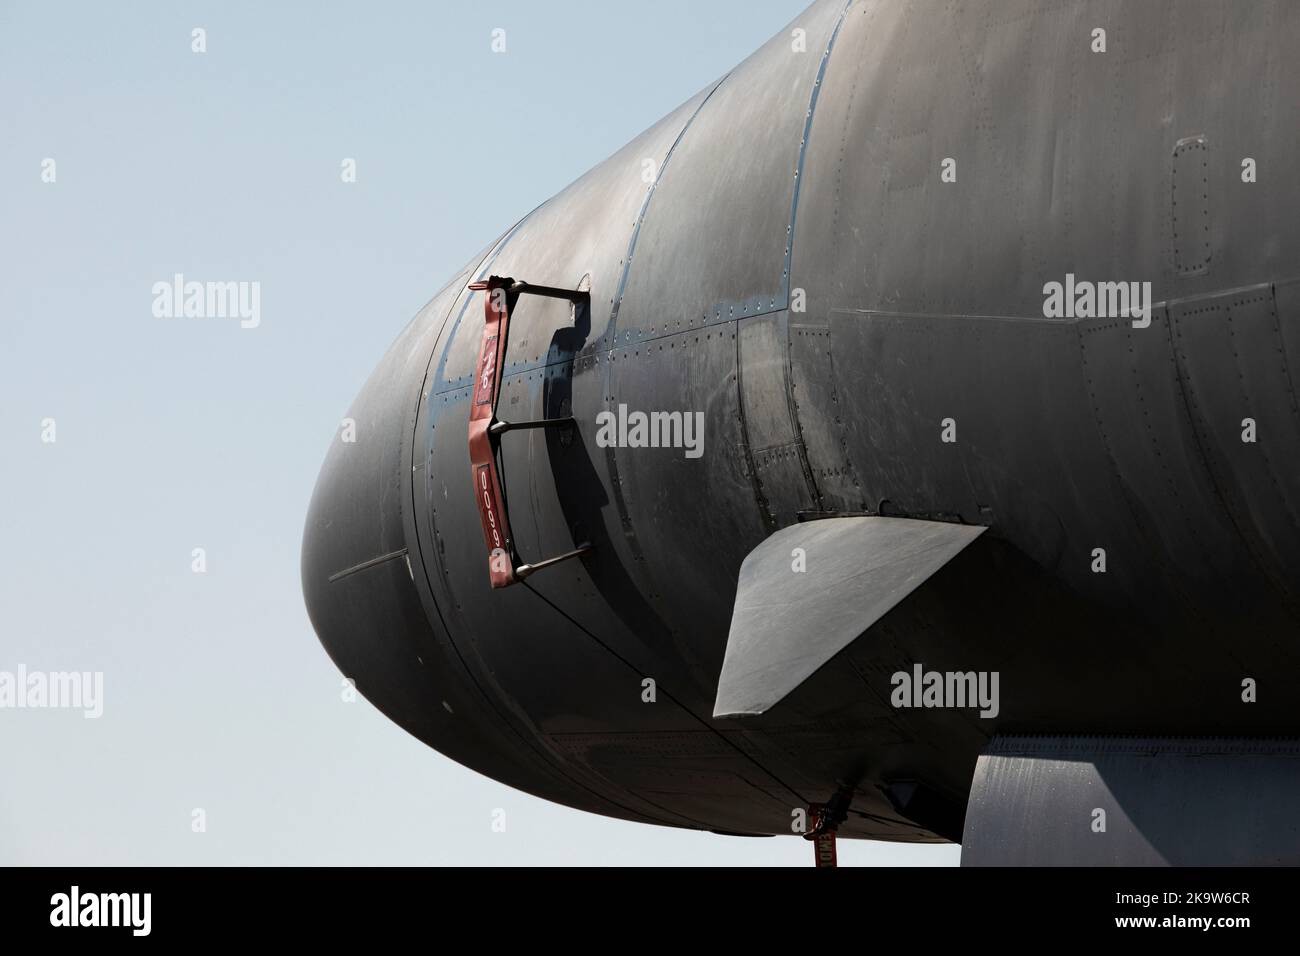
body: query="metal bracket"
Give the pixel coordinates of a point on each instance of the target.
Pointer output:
(485, 429)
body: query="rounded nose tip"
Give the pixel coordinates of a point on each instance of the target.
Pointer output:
(355, 578)
(362, 585)
(358, 577)
(375, 611)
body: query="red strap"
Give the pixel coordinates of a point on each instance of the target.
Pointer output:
(483, 467)
(824, 849)
(823, 818)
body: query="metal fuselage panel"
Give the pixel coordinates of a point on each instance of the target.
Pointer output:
(796, 269)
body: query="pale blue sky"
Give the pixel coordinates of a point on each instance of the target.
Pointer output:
(179, 434)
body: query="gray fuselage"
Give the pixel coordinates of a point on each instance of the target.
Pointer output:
(838, 256)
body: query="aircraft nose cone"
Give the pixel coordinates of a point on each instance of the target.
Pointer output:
(366, 594)
(357, 575)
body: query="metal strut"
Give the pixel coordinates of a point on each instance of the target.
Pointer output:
(485, 429)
